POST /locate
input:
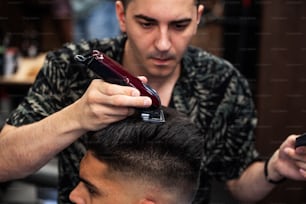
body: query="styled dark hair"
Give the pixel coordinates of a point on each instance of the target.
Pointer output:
(168, 154)
(126, 2)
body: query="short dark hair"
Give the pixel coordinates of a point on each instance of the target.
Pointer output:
(126, 2)
(168, 154)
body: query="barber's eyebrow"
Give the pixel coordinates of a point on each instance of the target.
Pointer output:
(149, 19)
(143, 17)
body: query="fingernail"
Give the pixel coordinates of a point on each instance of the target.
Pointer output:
(147, 102)
(303, 172)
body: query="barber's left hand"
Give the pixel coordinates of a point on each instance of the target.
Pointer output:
(289, 162)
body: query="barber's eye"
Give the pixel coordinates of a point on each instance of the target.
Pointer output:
(180, 26)
(146, 24)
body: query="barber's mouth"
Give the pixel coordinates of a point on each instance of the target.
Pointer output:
(161, 61)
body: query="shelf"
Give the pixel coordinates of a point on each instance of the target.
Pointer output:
(16, 81)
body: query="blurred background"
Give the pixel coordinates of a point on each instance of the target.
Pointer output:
(264, 39)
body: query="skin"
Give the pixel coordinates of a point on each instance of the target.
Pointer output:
(154, 49)
(100, 185)
(286, 162)
(40, 141)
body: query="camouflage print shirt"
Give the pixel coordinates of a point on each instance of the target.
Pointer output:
(210, 90)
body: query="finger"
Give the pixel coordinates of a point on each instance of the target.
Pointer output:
(118, 112)
(143, 79)
(303, 173)
(301, 164)
(299, 158)
(129, 101)
(116, 101)
(301, 150)
(114, 89)
(291, 140)
(291, 152)
(111, 117)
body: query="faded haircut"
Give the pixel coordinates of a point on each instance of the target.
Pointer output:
(167, 154)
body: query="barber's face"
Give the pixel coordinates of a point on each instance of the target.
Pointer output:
(99, 186)
(158, 33)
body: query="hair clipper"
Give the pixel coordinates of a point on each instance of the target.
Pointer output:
(112, 72)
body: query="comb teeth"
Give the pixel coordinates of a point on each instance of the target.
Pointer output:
(153, 116)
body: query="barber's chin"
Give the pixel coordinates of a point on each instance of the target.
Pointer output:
(161, 72)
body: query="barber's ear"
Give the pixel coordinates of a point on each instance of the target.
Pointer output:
(121, 15)
(199, 15)
(200, 12)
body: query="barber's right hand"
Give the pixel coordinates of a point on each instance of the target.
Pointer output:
(104, 103)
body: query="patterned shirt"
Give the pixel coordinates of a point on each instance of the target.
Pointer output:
(209, 90)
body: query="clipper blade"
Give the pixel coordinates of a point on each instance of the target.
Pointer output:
(153, 116)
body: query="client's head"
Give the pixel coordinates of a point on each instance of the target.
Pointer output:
(136, 162)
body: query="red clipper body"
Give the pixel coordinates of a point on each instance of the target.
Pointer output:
(112, 72)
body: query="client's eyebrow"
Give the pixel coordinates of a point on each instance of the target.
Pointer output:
(86, 182)
(89, 185)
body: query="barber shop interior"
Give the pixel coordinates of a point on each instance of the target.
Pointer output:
(265, 40)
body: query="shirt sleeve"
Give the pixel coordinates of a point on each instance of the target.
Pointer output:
(45, 95)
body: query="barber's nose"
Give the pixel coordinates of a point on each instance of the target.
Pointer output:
(75, 195)
(163, 41)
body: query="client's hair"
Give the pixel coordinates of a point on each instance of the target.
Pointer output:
(168, 154)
